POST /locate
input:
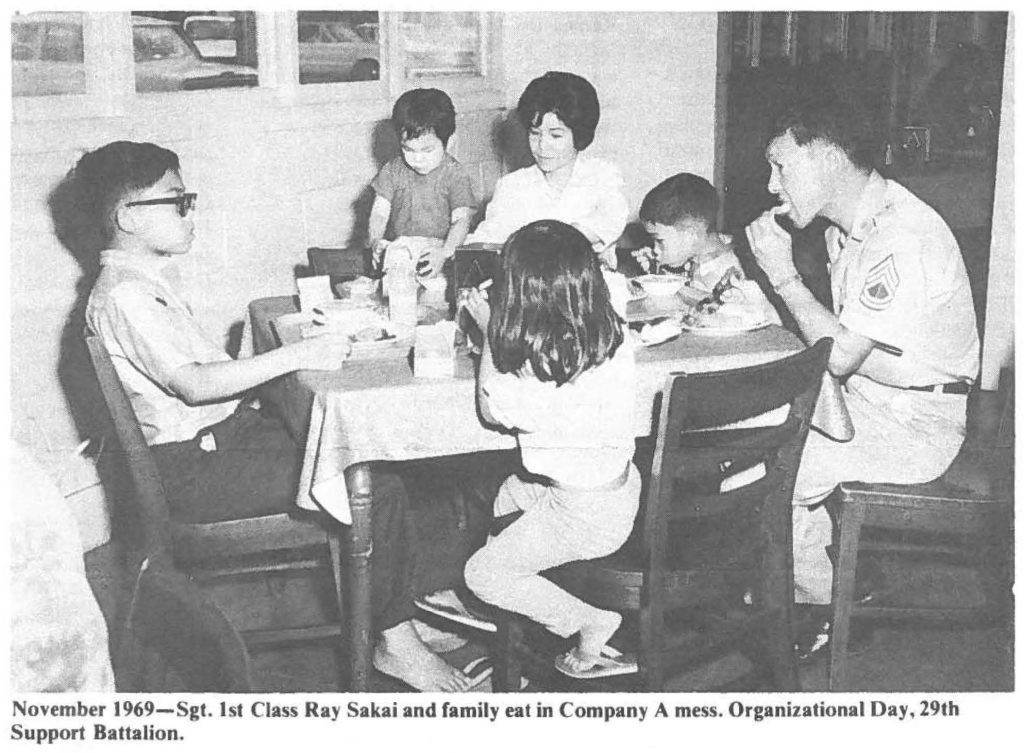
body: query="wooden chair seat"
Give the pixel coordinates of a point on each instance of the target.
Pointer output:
(706, 563)
(965, 515)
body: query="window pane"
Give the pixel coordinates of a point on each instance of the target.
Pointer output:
(47, 54)
(336, 46)
(442, 44)
(168, 56)
(775, 28)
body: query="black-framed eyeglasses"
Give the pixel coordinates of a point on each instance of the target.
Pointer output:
(186, 202)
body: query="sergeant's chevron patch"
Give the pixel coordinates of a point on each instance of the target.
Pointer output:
(880, 285)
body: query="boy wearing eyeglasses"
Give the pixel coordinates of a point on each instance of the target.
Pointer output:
(219, 458)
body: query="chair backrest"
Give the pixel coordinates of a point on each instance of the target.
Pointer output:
(728, 449)
(175, 640)
(151, 503)
(341, 264)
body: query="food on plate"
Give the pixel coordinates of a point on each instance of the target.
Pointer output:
(370, 334)
(731, 315)
(736, 304)
(360, 290)
(360, 325)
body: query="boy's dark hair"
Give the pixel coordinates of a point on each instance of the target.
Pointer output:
(572, 98)
(551, 307)
(420, 111)
(834, 120)
(682, 197)
(102, 177)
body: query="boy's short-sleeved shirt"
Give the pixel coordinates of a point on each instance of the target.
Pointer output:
(422, 205)
(899, 278)
(707, 270)
(150, 333)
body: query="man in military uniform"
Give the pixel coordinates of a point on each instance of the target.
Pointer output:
(906, 340)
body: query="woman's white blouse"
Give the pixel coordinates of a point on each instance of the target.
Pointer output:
(593, 199)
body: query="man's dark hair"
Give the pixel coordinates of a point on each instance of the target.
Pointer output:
(834, 120)
(102, 177)
(680, 198)
(420, 111)
(570, 97)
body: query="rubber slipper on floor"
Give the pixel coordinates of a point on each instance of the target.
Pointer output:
(448, 605)
(478, 671)
(611, 662)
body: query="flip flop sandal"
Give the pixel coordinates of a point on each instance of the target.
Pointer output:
(478, 671)
(453, 609)
(610, 663)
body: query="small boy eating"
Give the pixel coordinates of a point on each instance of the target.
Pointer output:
(424, 193)
(680, 214)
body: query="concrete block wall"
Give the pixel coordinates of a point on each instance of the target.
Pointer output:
(265, 195)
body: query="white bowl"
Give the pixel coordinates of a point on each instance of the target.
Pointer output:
(661, 285)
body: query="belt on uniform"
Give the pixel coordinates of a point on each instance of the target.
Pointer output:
(950, 388)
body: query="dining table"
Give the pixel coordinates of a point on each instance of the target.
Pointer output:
(378, 410)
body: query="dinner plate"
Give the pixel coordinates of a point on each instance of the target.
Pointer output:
(723, 331)
(293, 328)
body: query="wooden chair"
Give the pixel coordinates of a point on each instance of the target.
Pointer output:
(965, 516)
(270, 543)
(714, 531)
(176, 640)
(342, 264)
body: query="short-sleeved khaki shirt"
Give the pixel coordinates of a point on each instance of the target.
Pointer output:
(899, 278)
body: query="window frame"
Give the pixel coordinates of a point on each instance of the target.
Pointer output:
(490, 83)
(98, 30)
(110, 80)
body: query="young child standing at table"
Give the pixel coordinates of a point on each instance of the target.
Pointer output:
(218, 457)
(424, 193)
(558, 370)
(681, 215)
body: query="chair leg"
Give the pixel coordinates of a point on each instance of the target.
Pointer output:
(508, 669)
(785, 677)
(995, 573)
(651, 658)
(774, 597)
(851, 518)
(334, 546)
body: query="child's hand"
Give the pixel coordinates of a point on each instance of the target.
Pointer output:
(432, 260)
(379, 247)
(475, 303)
(645, 257)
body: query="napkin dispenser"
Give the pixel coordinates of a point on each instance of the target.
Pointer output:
(434, 355)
